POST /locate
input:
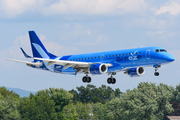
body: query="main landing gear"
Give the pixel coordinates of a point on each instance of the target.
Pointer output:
(111, 80)
(86, 79)
(156, 68)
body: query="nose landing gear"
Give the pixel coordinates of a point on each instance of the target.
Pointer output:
(156, 68)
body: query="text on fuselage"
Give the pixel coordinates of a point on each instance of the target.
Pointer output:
(128, 58)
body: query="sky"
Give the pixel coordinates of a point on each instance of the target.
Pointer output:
(69, 27)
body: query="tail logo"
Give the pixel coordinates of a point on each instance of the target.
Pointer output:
(40, 50)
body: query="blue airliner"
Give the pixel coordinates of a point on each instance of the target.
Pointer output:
(130, 61)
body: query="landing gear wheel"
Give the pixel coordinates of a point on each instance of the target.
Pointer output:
(156, 73)
(88, 79)
(113, 80)
(109, 80)
(84, 79)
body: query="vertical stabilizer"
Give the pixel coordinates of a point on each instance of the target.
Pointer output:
(38, 48)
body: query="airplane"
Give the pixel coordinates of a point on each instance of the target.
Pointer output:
(130, 61)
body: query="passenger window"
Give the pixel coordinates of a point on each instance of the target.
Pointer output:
(98, 57)
(112, 55)
(116, 55)
(139, 52)
(81, 58)
(88, 58)
(122, 54)
(119, 54)
(106, 56)
(126, 54)
(76, 59)
(91, 57)
(73, 59)
(129, 53)
(101, 56)
(132, 53)
(84, 58)
(109, 55)
(94, 57)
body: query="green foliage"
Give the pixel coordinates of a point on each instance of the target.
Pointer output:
(70, 112)
(177, 93)
(8, 109)
(38, 107)
(147, 102)
(83, 110)
(4, 93)
(60, 97)
(114, 109)
(9, 101)
(99, 111)
(91, 94)
(178, 97)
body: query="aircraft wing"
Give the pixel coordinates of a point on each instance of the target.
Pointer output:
(30, 63)
(65, 63)
(79, 66)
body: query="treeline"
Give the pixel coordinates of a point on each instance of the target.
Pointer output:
(146, 102)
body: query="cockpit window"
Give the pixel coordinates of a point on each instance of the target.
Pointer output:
(156, 50)
(163, 50)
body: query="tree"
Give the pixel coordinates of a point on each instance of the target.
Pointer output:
(99, 111)
(146, 102)
(8, 108)
(114, 109)
(4, 93)
(176, 93)
(91, 94)
(75, 98)
(9, 101)
(70, 112)
(61, 98)
(83, 110)
(38, 107)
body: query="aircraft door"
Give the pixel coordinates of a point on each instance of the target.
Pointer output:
(102, 57)
(148, 54)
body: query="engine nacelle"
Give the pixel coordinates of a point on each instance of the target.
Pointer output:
(135, 72)
(98, 69)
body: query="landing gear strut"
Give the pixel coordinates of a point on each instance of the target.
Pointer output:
(111, 80)
(86, 79)
(156, 68)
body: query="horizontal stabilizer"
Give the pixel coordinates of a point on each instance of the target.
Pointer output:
(29, 63)
(27, 56)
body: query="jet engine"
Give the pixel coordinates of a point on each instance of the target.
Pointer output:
(135, 72)
(98, 69)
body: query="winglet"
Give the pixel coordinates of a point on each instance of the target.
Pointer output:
(27, 56)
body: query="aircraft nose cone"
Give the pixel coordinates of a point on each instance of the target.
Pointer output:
(170, 58)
